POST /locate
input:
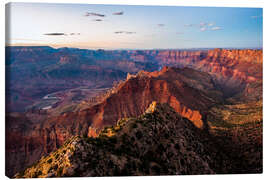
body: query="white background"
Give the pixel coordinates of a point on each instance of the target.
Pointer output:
(218, 3)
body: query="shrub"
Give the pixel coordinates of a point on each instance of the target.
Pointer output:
(176, 146)
(60, 171)
(113, 140)
(134, 125)
(55, 167)
(139, 135)
(38, 173)
(49, 160)
(56, 156)
(156, 169)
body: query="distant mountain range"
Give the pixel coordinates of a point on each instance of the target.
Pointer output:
(33, 72)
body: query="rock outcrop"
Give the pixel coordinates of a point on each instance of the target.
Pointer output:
(159, 142)
(232, 69)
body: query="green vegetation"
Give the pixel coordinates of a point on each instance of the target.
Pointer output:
(49, 160)
(232, 117)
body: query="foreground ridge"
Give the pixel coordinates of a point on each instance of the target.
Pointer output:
(158, 142)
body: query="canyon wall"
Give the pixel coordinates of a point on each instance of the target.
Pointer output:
(219, 74)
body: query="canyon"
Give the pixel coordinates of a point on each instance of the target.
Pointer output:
(193, 83)
(47, 70)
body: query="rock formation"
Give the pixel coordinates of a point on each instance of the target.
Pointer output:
(188, 91)
(221, 75)
(159, 142)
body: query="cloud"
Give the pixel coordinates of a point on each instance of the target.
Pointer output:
(94, 14)
(161, 25)
(202, 24)
(127, 32)
(119, 32)
(255, 17)
(74, 34)
(205, 26)
(124, 32)
(55, 34)
(216, 28)
(202, 29)
(118, 13)
(62, 34)
(188, 25)
(98, 20)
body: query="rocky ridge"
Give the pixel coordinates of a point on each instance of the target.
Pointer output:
(188, 91)
(159, 142)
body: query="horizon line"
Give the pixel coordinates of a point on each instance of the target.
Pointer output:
(145, 49)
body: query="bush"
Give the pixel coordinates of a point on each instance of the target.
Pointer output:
(55, 167)
(56, 156)
(156, 169)
(113, 140)
(38, 173)
(49, 160)
(176, 146)
(60, 171)
(125, 138)
(134, 126)
(139, 135)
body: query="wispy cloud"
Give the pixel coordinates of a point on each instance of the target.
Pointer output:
(118, 13)
(98, 20)
(124, 32)
(74, 34)
(188, 25)
(205, 26)
(94, 14)
(216, 28)
(119, 32)
(255, 17)
(202, 24)
(61, 34)
(55, 34)
(127, 32)
(202, 29)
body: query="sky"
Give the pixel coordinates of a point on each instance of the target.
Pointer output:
(133, 27)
